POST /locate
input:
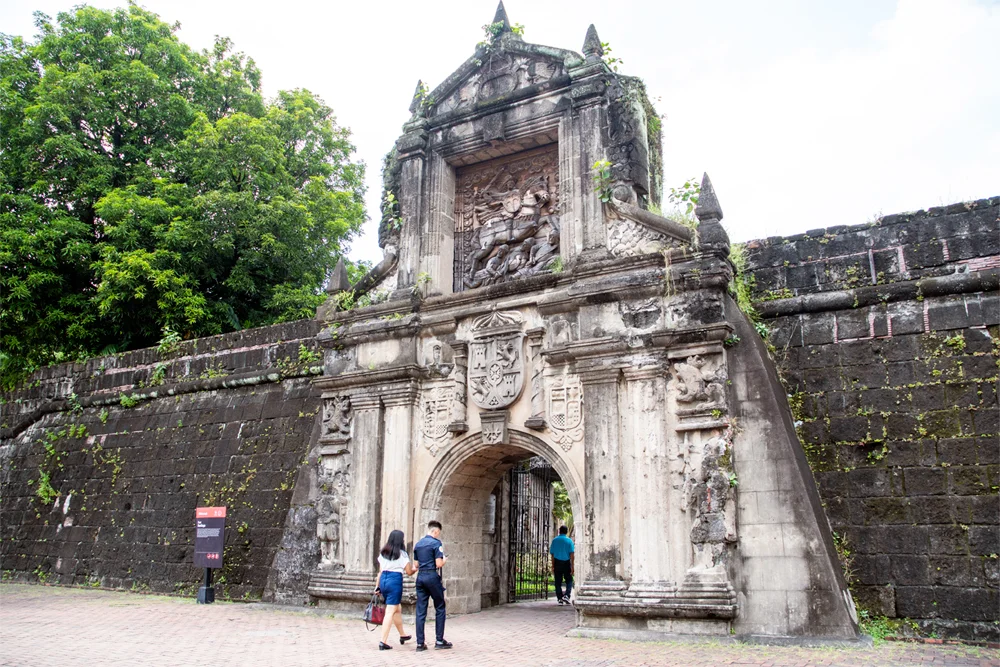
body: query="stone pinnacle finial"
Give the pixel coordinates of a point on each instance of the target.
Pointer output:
(708, 204)
(501, 17)
(592, 48)
(338, 282)
(418, 94)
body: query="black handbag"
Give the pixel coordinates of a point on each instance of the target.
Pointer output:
(375, 611)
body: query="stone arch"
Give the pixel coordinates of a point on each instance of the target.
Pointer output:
(457, 494)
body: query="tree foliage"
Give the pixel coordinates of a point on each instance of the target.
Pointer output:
(146, 185)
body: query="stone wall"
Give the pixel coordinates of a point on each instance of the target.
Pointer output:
(887, 338)
(103, 463)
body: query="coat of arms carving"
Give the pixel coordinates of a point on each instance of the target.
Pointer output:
(496, 361)
(435, 415)
(565, 411)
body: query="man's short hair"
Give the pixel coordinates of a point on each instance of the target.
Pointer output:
(434, 524)
(563, 530)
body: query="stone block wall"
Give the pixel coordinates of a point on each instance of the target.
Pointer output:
(887, 339)
(103, 463)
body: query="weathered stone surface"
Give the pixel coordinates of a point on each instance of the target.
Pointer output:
(224, 420)
(899, 317)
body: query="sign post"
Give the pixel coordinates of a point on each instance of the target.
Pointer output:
(209, 539)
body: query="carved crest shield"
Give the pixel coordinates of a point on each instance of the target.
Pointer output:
(435, 413)
(496, 370)
(565, 410)
(496, 362)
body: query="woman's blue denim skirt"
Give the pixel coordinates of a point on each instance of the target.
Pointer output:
(391, 584)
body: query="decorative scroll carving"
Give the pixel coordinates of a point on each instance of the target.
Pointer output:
(537, 419)
(496, 362)
(435, 414)
(335, 482)
(336, 418)
(500, 74)
(506, 219)
(699, 385)
(458, 420)
(565, 410)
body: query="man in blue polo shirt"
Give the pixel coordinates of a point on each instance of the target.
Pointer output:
(429, 554)
(563, 555)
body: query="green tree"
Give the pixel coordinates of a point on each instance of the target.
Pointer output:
(146, 185)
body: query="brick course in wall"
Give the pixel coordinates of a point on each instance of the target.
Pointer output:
(224, 420)
(887, 338)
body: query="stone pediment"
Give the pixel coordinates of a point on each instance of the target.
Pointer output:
(498, 72)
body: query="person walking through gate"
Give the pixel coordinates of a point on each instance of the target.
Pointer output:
(563, 555)
(394, 563)
(429, 553)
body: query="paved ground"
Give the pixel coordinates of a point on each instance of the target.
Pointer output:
(42, 625)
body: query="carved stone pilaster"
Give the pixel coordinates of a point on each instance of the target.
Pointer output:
(458, 406)
(537, 419)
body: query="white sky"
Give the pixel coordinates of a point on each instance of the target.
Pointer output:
(805, 114)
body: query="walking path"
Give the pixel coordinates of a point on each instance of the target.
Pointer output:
(43, 625)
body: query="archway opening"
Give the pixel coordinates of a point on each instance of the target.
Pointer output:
(496, 503)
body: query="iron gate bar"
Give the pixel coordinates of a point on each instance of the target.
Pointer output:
(530, 525)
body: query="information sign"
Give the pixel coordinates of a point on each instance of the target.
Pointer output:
(210, 526)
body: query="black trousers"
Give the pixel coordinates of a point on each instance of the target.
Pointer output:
(562, 571)
(429, 586)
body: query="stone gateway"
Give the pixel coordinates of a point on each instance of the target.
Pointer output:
(526, 311)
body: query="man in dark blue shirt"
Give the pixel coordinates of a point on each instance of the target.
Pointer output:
(429, 554)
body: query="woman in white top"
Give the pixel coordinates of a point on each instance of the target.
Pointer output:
(393, 563)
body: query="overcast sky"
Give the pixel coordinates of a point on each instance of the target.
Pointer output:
(805, 114)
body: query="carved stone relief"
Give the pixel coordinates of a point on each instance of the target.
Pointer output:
(495, 427)
(565, 410)
(336, 419)
(506, 219)
(496, 360)
(335, 485)
(627, 238)
(435, 416)
(700, 383)
(709, 494)
(499, 74)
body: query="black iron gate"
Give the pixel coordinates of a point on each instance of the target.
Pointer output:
(530, 521)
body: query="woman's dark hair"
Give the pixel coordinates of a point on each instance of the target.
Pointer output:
(393, 545)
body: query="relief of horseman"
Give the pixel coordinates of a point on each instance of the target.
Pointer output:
(505, 217)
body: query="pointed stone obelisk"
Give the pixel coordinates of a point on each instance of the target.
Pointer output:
(709, 214)
(592, 48)
(338, 282)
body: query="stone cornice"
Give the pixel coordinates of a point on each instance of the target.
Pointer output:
(369, 378)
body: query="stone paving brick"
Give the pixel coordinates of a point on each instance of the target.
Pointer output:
(43, 625)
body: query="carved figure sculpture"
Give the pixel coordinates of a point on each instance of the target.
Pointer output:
(697, 384)
(498, 228)
(328, 531)
(337, 417)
